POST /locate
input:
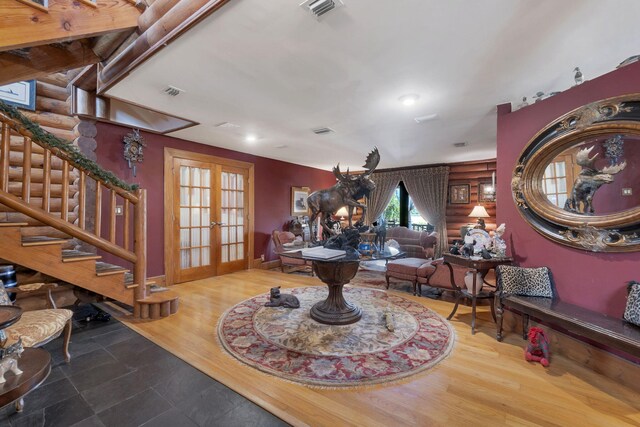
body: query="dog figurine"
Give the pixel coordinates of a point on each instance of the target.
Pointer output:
(276, 299)
(538, 348)
(10, 363)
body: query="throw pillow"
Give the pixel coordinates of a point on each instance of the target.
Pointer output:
(632, 310)
(531, 282)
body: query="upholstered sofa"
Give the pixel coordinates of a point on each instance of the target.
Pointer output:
(416, 244)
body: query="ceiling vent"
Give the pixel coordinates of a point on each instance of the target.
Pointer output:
(460, 144)
(322, 131)
(173, 91)
(320, 7)
(426, 118)
(227, 125)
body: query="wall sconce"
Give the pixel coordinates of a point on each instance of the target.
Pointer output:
(133, 145)
(479, 212)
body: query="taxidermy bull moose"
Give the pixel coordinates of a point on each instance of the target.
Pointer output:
(589, 181)
(346, 192)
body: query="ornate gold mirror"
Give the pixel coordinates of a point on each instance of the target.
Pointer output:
(577, 181)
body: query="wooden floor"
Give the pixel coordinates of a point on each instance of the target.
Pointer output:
(483, 382)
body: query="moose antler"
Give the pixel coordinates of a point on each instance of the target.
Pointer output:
(372, 161)
(612, 170)
(583, 159)
(341, 177)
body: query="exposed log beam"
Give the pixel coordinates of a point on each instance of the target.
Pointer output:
(42, 60)
(22, 26)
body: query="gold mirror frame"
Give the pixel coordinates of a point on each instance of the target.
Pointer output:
(616, 232)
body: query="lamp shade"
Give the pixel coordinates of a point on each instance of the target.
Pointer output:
(479, 212)
(342, 212)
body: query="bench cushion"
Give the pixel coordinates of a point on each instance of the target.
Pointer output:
(405, 266)
(38, 326)
(632, 310)
(533, 282)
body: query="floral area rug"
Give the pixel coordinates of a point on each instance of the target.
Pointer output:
(289, 344)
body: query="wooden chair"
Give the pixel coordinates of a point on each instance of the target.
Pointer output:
(38, 327)
(289, 264)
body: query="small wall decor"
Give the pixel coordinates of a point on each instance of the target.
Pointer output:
(299, 205)
(459, 194)
(486, 192)
(133, 145)
(20, 94)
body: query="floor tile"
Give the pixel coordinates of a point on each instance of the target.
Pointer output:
(55, 375)
(87, 361)
(67, 412)
(135, 411)
(32, 420)
(210, 405)
(249, 414)
(93, 421)
(114, 337)
(185, 382)
(46, 395)
(99, 375)
(171, 418)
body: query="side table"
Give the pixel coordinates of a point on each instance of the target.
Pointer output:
(35, 364)
(481, 266)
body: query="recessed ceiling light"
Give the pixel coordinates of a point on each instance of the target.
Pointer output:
(409, 99)
(251, 138)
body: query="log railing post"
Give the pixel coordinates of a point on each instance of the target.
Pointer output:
(127, 232)
(26, 170)
(98, 208)
(46, 181)
(112, 218)
(64, 202)
(82, 200)
(140, 249)
(4, 160)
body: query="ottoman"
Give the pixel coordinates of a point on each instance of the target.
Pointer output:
(405, 269)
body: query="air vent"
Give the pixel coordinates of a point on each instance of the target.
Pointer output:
(460, 144)
(320, 7)
(322, 131)
(227, 125)
(173, 91)
(281, 146)
(426, 118)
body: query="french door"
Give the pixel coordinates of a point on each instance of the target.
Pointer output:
(208, 216)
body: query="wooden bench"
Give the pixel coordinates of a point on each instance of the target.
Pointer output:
(609, 331)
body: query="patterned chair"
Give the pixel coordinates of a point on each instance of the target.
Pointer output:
(38, 327)
(289, 264)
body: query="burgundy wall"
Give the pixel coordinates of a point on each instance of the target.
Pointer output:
(273, 182)
(595, 281)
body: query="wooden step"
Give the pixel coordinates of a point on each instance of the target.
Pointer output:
(13, 224)
(41, 241)
(157, 305)
(69, 255)
(128, 281)
(105, 269)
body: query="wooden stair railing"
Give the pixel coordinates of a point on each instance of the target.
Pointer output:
(28, 191)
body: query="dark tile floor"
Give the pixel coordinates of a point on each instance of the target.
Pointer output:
(116, 377)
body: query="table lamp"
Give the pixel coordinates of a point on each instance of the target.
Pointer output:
(479, 212)
(342, 212)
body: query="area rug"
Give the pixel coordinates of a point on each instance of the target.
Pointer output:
(289, 344)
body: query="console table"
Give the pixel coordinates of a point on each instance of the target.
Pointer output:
(481, 266)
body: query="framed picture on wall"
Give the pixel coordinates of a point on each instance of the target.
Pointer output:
(459, 194)
(299, 204)
(486, 192)
(20, 94)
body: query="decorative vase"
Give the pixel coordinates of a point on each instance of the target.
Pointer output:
(468, 281)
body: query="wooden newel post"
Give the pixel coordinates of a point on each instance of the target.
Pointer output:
(140, 249)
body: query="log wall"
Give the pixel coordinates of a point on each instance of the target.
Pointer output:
(472, 173)
(53, 114)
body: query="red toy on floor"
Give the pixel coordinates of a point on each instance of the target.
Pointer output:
(538, 348)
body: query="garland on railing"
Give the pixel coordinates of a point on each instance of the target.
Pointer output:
(52, 142)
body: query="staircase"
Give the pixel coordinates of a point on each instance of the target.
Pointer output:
(38, 231)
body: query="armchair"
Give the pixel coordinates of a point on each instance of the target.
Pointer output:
(289, 264)
(38, 327)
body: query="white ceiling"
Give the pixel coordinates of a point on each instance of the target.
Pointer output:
(272, 68)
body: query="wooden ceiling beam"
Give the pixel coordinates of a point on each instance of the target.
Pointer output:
(42, 60)
(22, 26)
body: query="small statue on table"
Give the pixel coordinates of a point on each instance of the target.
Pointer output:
(499, 245)
(469, 246)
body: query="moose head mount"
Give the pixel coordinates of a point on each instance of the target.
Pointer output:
(589, 181)
(346, 192)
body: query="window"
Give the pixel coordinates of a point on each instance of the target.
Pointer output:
(392, 212)
(401, 211)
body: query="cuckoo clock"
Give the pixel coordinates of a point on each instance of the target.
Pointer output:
(133, 145)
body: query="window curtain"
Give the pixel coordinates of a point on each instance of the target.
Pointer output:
(386, 184)
(428, 189)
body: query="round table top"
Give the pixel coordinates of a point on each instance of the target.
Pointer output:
(35, 364)
(9, 315)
